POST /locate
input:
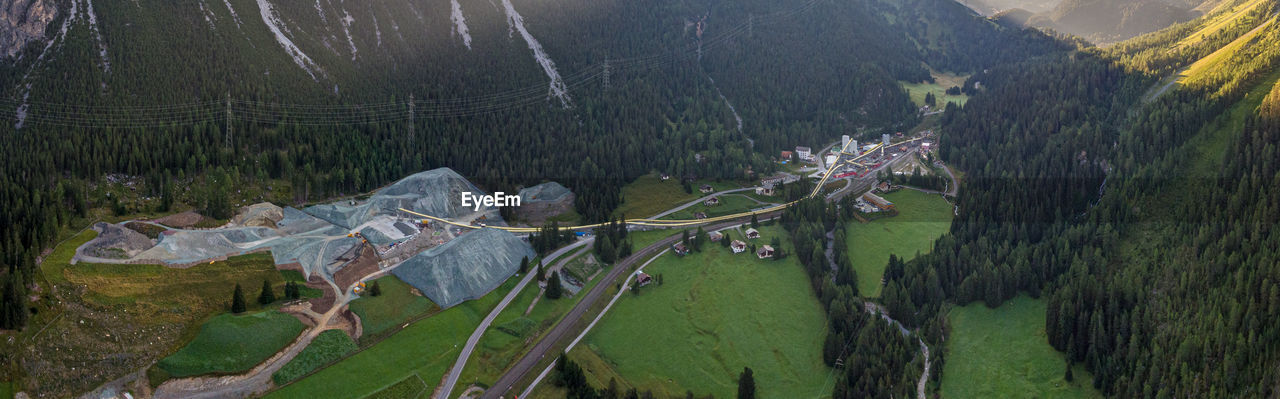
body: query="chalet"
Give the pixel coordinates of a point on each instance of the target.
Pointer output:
(680, 249)
(765, 190)
(713, 201)
(643, 279)
(738, 246)
(716, 236)
(883, 186)
(753, 234)
(699, 215)
(706, 189)
(764, 252)
(786, 155)
(878, 201)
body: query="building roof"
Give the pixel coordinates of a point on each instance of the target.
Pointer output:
(749, 231)
(803, 149)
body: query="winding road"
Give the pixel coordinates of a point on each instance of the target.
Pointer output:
(565, 327)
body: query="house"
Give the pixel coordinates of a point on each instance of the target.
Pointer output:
(804, 153)
(699, 215)
(878, 201)
(786, 155)
(779, 179)
(764, 252)
(713, 201)
(738, 246)
(765, 190)
(643, 279)
(680, 249)
(883, 186)
(753, 234)
(706, 189)
(665, 177)
(716, 236)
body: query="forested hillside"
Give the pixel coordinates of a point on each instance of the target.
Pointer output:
(1135, 187)
(200, 101)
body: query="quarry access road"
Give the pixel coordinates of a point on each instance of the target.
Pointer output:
(456, 371)
(565, 328)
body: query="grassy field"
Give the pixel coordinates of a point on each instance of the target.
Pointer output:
(922, 218)
(716, 313)
(729, 204)
(231, 343)
(425, 349)
(512, 333)
(1196, 72)
(396, 305)
(942, 81)
(649, 195)
(1003, 353)
(1218, 23)
(330, 345)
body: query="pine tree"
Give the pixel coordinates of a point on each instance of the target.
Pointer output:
(755, 224)
(701, 238)
(554, 290)
(268, 296)
(237, 300)
(746, 384)
(542, 275)
(14, 314)
(524, 265)
(375, 289)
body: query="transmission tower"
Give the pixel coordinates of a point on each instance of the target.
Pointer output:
(228, 125)
(606, 74)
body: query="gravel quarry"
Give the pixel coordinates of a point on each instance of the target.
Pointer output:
(448, 264)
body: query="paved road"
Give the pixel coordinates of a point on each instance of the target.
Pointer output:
(456, 371)
(564, 329)
(698, 201)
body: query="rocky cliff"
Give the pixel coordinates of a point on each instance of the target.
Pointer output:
(22, 21)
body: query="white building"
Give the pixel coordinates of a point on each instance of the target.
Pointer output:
(804, 153)
(844, 141)
(885, 139)
(831, 160)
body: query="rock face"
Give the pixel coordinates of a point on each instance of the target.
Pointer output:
(22, 21)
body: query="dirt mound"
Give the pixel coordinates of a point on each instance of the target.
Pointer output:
(181, 220)
(116, 242)
(262, 214)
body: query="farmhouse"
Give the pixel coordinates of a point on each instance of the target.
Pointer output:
(713, 201)
(765, 252)
(753, 234)
(643, 279)
(680, 249)
(716, 236)
(706, 188)
(738, 246)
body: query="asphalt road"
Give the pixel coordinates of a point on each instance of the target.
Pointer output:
(698, 201)
(564, 329)
(456, 371)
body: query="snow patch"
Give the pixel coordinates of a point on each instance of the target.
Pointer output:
(274, 24)
(557, 88)
(346, 30)
(234, 16)
(21, 112)
(208, 15)
(460, 23)
(377, 31)
(97, 36)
